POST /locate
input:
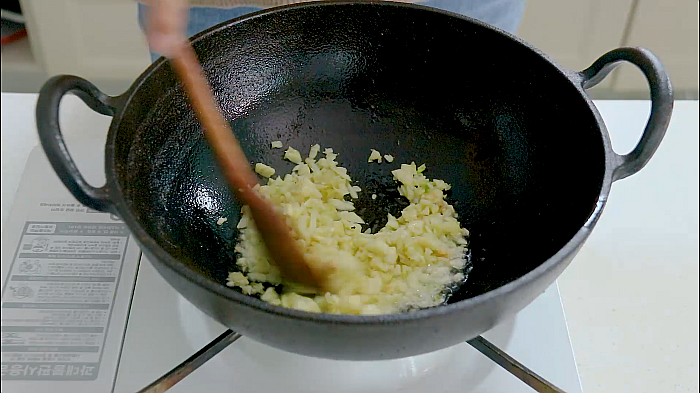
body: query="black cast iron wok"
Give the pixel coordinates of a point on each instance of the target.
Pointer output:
(526, 151)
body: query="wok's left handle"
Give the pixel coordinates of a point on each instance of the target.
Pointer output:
(51, 137)
(661, 103)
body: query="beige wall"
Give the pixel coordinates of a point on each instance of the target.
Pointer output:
(575, 33)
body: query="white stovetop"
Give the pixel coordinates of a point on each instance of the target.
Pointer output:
(631, 295)
(537, 337)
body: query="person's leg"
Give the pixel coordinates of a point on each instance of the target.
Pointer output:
(504, 14)
(200, 18)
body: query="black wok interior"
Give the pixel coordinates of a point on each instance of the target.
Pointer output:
(511, 134)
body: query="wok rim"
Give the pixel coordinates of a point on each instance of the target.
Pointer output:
(220, 289)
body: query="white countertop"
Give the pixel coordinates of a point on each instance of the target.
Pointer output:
(631, 295)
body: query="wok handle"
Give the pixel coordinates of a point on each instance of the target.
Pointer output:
(47, 109)
(661, 103)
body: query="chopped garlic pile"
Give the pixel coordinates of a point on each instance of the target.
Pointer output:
(408, 264)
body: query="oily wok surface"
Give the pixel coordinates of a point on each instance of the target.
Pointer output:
(505, 128)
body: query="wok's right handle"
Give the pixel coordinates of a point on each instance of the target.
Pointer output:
(47, 109)
(661, 103)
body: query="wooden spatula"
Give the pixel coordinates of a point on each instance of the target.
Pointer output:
(241, 179)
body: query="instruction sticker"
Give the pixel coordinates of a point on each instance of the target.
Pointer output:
(57, 299)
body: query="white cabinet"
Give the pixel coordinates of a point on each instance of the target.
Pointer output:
(575, 33)
(668, 28)
(99, 40)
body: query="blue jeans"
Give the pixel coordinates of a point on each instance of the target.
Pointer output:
(504, 14)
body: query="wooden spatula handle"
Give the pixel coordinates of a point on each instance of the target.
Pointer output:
(234, 164)
(271, 224)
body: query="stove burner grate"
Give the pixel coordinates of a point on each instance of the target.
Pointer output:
(479, 343)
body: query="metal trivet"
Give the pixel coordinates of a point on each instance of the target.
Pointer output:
(501, 358)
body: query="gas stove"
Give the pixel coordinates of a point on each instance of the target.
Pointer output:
(147, 328)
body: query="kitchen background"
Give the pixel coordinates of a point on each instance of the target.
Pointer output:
(617, 349)
(100, 40)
